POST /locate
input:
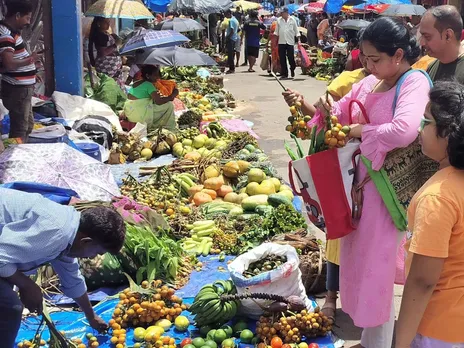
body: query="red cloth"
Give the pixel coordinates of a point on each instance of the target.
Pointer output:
(355, 59)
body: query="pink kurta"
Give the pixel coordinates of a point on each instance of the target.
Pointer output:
(368, 254)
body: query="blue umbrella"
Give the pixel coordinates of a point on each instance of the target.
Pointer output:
(333, 6)
(154, 38)
(292, 8)
(268, 6)
(158, 5)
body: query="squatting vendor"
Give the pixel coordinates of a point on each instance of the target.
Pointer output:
(34, 231)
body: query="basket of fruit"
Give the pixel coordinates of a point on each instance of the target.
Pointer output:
(269, 268)
(325, 175)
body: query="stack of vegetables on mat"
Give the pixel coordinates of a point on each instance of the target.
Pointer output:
(218, 210)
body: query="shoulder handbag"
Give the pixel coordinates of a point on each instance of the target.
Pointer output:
(403, 172)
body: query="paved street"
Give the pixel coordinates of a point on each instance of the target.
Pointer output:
(260, 101)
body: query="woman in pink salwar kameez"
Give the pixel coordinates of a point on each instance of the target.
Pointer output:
(368, 254)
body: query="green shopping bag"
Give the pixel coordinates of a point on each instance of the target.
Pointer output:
(389, 197)
(412, 173)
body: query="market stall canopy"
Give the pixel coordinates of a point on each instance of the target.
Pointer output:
(355, 24)
(154, 38)
(201, 6)
(180, 25)
(369, 3)
(131, 9)
(267, 6)
(58, 165)
(335, 6)
(247, 5)
(174, 56)
(404, 10)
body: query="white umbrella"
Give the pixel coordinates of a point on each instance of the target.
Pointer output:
(58, 165)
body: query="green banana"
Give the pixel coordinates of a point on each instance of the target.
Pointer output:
(186, 180)
(188, 175)
(213, 310)
(207, 309)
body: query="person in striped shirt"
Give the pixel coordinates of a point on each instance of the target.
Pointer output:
(17, 68)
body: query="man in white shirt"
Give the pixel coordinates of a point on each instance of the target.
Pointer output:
(287, 30)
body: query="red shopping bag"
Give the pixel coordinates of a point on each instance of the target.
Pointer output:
(325, 182)
(305, 62)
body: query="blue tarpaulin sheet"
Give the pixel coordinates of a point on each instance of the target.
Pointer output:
(56, 194)
(75, 325)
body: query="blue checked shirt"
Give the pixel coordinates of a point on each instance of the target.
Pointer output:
(34, 231)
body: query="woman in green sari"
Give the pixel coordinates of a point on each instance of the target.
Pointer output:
(146, 105)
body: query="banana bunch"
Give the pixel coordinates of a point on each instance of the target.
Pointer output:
(208, 307)
(216, 130)
(201, 240)
(184, 181)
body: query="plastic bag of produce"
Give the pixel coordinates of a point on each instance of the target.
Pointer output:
(285, 280)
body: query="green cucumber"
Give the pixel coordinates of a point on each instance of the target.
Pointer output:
(275, 200)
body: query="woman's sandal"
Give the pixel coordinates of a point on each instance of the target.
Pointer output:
(329, 308)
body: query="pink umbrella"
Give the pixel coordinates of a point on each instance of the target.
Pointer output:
(313, 7)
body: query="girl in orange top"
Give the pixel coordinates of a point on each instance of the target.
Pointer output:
(432, 310)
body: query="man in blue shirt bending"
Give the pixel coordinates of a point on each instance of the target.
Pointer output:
(251, 29)
(35, 231)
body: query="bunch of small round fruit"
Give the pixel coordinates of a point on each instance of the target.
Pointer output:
(142, 309)
(298, 122)
(336, 135)
(291, 328)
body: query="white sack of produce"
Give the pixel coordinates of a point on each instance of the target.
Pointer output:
(74, 107)
(285, 280)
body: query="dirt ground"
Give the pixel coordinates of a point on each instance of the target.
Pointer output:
(260, 101)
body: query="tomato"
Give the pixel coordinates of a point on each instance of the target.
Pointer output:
(185, 341)
(276, 342)
(286, 346)
(313, 345)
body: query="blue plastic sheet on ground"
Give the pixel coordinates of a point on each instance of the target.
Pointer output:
(120, 171)
(74, 323)
(56, 194)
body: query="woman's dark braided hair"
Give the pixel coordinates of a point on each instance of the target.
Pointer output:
(447, 108)
(92, 36)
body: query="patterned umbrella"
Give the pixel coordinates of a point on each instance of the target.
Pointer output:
(131, 9)
(154, 38)
(267, 6)
(180, 25)
(174, 56)
(58, 165)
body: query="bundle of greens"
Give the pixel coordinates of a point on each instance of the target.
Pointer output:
(283, 219)
(155, 253)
